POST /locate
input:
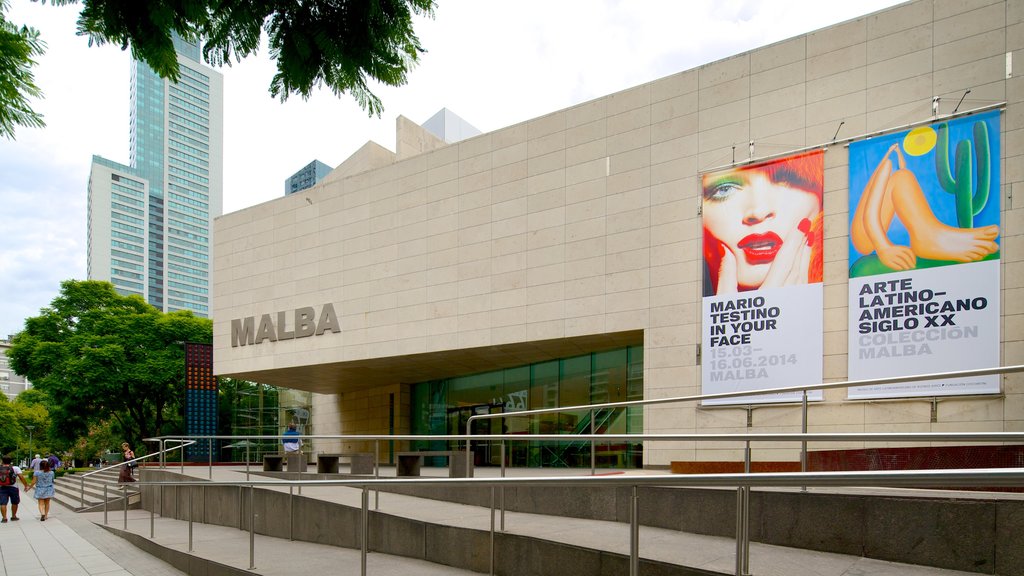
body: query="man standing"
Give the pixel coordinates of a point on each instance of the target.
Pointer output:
(290, 439)
(9, 475)
(34, 465)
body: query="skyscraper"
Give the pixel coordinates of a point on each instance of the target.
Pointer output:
(150, 222)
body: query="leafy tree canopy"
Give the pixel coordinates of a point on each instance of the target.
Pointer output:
(18, 48)
(341, 44)
(102, 356)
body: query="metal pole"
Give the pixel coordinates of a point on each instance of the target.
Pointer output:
(366, 531)
(502, 486)
(252, 529)
(209, 452)
(291, 513)
(803, 428)
(492, 531)
(152, 520)
(746, 531)
(634, 533)
(739, 531)
(162, 454)
(469, 442)
(593, 454)
(125, 490)
(81, 490)
(746, 517)
(376, 473)
(181, 454)
(105, 504)
(189, 518)
(247, 461)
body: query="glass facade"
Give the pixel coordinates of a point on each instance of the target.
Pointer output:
(171, 148)
(444, 407)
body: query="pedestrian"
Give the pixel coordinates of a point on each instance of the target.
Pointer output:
(42, 481)
(126, 470)
(290, 439)
(9, 476)
(34, 465)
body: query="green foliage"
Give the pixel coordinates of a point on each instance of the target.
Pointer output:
(101, 356)
(342, 44)
(18, 47)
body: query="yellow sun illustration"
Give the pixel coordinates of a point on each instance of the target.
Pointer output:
(919, 141)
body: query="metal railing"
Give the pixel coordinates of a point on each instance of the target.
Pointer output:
(746, 393)
(81, 479)
(743, 482)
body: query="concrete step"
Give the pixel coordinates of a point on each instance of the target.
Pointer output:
(86, 492)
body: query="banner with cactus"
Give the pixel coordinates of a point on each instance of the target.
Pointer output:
(924, 248)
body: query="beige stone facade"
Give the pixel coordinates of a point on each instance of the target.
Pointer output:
(580, 231)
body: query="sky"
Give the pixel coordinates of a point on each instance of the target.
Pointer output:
(494, 64)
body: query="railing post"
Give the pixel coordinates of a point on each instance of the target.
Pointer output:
(152, 520)
(81, 491)
(209, 453)
(163, 454)
(593, 453)
(803, 428)
(252, 529)
(492, 531)
(125, 490)
(364, 545)
(376, 472)
(739, 531)
(291, 512)
(502, 486)
(470, 473)
(189, 518)
(105, 503)
(634, 533)
(247, 461)
(241, 505)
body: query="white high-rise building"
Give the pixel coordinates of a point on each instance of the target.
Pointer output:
(150, 222)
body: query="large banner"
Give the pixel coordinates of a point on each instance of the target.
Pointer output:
(924, 257)
(762, 320)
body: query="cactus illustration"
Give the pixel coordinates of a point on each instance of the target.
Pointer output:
(968, 203)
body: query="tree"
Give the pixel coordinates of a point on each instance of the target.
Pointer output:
(99, 355)
(343, 44)
(18, 47)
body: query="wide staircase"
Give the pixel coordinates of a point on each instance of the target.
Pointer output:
(85, 492)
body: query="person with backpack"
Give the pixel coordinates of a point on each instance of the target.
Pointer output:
(9, 475)
(42, 481)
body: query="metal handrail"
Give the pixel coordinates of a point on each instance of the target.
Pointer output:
(890, 479)
(700, 397)
(81, 478)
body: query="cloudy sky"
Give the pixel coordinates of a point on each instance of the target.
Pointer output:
(494, 64)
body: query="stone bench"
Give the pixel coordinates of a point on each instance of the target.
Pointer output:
(275, 462)
(360, 462)
(409, 463)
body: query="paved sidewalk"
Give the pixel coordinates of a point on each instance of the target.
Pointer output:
(69, 545)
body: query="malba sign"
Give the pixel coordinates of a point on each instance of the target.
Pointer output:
(304, 323)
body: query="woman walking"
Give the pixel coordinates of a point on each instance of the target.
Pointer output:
(42, 481)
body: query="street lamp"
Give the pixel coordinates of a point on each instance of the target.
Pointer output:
(30, 429)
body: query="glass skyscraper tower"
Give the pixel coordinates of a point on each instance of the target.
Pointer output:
(150, 223)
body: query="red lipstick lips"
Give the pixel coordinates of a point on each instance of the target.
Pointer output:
(760, 248)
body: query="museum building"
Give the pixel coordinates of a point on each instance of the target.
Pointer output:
(836, 206)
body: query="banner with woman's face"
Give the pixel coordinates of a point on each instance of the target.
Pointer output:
(762, 224)
(762, 284)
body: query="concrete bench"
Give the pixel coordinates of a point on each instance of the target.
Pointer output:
(275, 462)
(360, 462)
(409, 463)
